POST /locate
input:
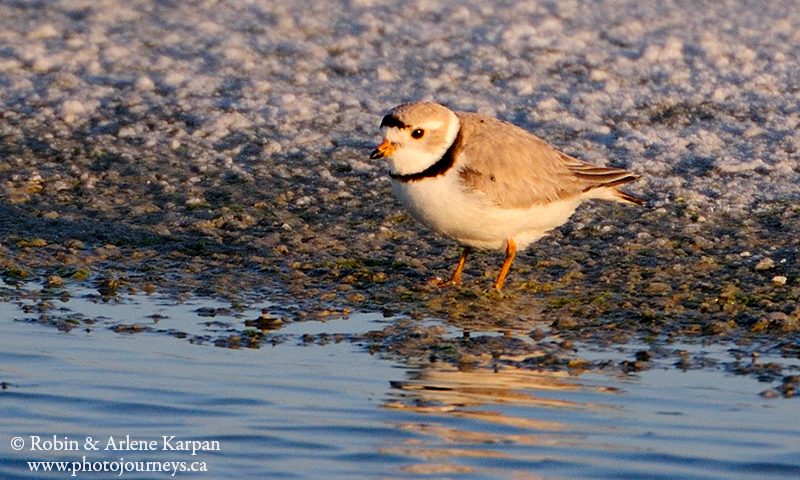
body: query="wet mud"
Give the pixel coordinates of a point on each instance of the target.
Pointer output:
(239, 170)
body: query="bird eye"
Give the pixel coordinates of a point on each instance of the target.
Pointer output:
(418, 133)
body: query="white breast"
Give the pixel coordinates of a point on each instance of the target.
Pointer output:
(443, 205)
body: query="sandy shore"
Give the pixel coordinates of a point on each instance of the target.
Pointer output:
(221, 147)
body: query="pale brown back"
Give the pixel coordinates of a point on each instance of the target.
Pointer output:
(516, 169)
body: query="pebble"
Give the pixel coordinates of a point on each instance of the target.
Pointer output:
(765, 264)
(779, 280)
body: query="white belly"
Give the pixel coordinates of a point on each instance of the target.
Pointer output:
(442, 205)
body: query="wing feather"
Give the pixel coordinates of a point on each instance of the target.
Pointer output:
(513, 168)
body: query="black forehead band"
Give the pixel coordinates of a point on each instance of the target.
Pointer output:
(391, 121)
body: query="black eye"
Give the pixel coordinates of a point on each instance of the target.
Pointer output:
(418, 133)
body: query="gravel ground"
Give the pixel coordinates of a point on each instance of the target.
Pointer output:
(221, 148)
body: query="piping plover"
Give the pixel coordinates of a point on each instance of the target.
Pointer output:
(484, 182)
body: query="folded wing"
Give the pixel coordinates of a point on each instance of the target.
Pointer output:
(514, 169)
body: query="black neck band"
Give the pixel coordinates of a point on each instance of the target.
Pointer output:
(439, 168)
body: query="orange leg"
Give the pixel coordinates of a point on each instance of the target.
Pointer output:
(456, 278)
(511, 251)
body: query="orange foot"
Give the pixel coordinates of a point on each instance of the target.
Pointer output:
(456, 278)
(441, 282)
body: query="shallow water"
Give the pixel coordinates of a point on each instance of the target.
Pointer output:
(311, 410)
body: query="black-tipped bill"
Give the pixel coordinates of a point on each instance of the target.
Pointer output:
(384, 149)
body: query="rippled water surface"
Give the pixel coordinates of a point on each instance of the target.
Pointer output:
(303, 409)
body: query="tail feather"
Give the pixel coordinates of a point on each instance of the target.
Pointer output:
(605, 192)
(601, 182)
(626, 197)
(611, 180)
